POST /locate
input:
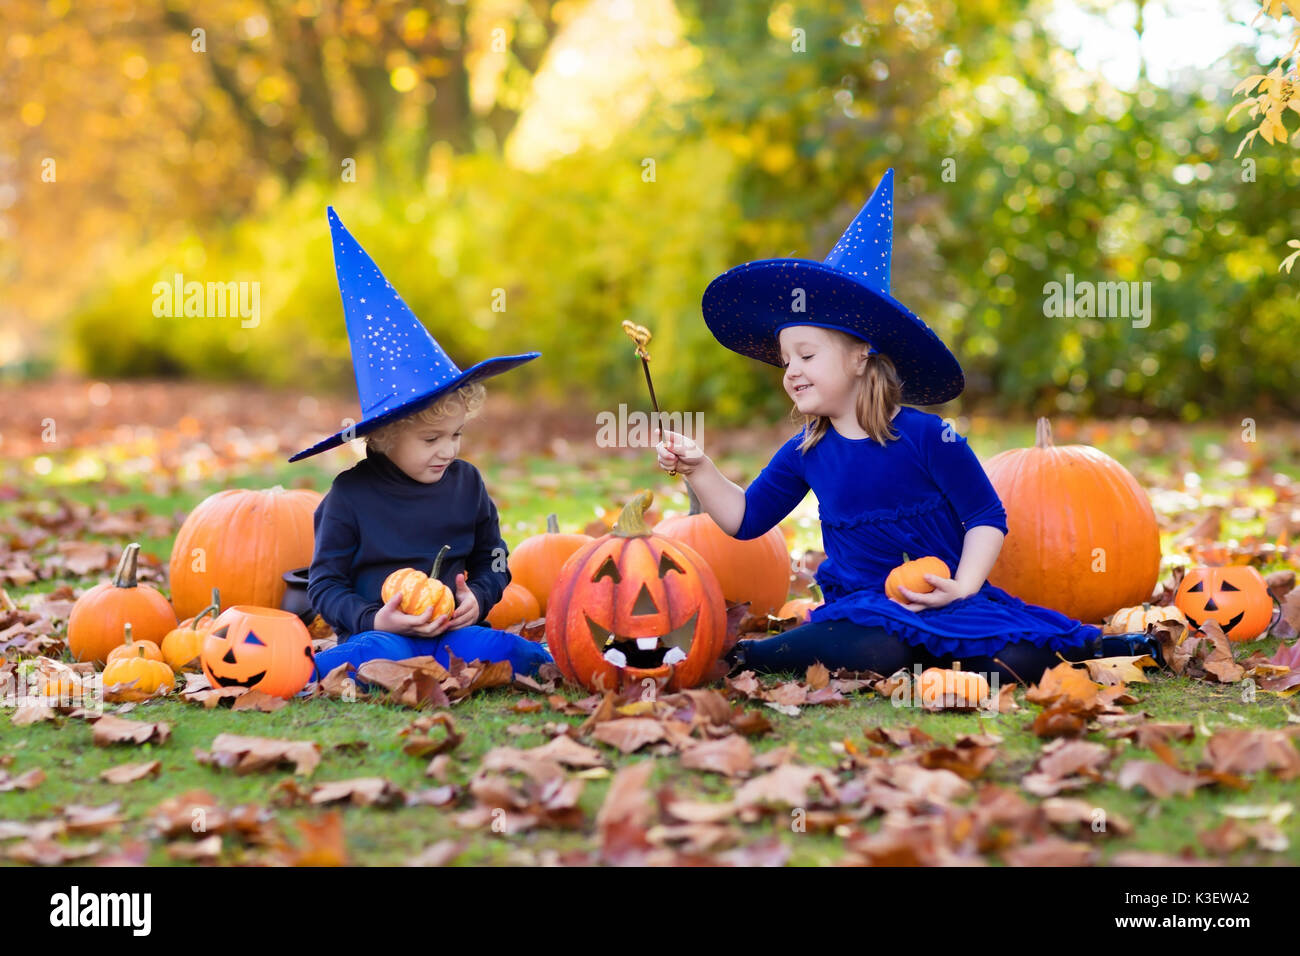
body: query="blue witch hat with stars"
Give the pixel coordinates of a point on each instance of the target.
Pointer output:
(747, 307)
(400, 367)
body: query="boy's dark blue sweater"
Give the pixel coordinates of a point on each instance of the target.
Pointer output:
(377, 519)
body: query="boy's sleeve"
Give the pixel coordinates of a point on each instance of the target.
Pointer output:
(962, 479)
(775, 492)
(486, 573)
(329, 584)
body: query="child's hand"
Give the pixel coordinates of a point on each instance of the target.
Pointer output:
(391, 618)
(679, 453)
(466, 612)
(946, 590)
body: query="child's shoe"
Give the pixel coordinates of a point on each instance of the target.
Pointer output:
(1132, 644)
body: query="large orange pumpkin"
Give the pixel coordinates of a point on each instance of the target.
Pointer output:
(536, 563)
(517, 605)
(261, 648)
(1081, 537)
(1235, 597)
(242, 542)
(95, 625)
(633, 605)
(757, 570)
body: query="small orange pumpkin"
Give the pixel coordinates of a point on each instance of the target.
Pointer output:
(943, 689)
(147, 677)
(517, 605)
(1131, 620)
(182, 646)
(634, 605)
(911, 575)
(1235, 597)
(536, 562)
(420, 591)
(132, 648)
(95, 624)
(802, 608)
(261, 648)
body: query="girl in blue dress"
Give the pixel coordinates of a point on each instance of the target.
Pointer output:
(890, 480)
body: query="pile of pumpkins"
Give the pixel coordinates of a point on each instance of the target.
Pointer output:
(243, 539)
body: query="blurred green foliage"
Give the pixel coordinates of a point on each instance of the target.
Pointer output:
(772, 151)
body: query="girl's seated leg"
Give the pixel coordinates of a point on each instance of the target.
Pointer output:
(467, 643)
(834, 644)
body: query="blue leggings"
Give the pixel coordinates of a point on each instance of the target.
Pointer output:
(468, 643)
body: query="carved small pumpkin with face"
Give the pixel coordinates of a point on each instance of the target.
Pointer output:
(260, 648)
(1235, 597)
(634, 605)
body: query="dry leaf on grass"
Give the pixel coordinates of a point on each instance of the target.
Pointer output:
(131, 772)
(421, 741)
(360, 792)
(249, 754)
(110, 730)
(730, 756)
(24, 781)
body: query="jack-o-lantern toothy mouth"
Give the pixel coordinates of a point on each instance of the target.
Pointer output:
(239, 682)
(1236, 619)
(644, 652)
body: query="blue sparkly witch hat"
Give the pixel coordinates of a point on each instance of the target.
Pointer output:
(747, 307)
(399, 366)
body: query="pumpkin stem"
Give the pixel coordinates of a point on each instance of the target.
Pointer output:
(437, 562)
(214, 609)
(126, 628)
(695, 501)
(631, 520)
(552, 524)
(1043, 437)
(124, 576)
(816, 591)
(906, 558)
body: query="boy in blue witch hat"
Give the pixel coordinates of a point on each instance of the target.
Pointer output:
(411, 495)
(891, 481)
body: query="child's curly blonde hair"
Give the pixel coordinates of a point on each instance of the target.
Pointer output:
(471, 397)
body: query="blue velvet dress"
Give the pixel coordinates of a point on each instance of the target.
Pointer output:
(918, 493)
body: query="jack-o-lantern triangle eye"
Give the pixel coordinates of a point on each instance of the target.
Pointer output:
(1198, 586)
(1229, 586)
(252, 638)
(608, 570)
(667, 564)
(222, 631)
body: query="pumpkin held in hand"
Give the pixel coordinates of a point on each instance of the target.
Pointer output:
(95, 624)
(911, 575)
(261, 648)
(146, 676)
(182, 646)
(1135, 620)
(420, 591)
(536, 563)
(1081, 533)
(517, 605)
(634, 605)
(757, 570)
(1235, 597)
(242, 541)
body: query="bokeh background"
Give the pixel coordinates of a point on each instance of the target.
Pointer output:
(503, 145)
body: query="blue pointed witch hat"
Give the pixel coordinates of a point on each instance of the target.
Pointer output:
(400, 366)
(747, 307)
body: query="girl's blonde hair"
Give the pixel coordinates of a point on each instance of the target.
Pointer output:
(880, 393)
(471, 397)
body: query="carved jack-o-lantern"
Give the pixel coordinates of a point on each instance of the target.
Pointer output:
(634, 605)
(1235, 597)
(260, 648)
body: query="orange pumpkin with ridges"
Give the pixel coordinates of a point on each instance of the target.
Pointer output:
(420, 591)
(536, 563)
(517, 605)
(95, 626)
(911, 575)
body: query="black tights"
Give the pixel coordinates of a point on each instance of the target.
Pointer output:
(844, 644)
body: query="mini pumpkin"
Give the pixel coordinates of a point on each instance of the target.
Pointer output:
(134, 648)
(182, 646)
(136, 677)
(261, 648)
(1235, 597)
(944, 689)
(801, 608)
(911, 575)
(420, 591)
(517, 605)
(95, 624)
(633, 605)
(1131, 620)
